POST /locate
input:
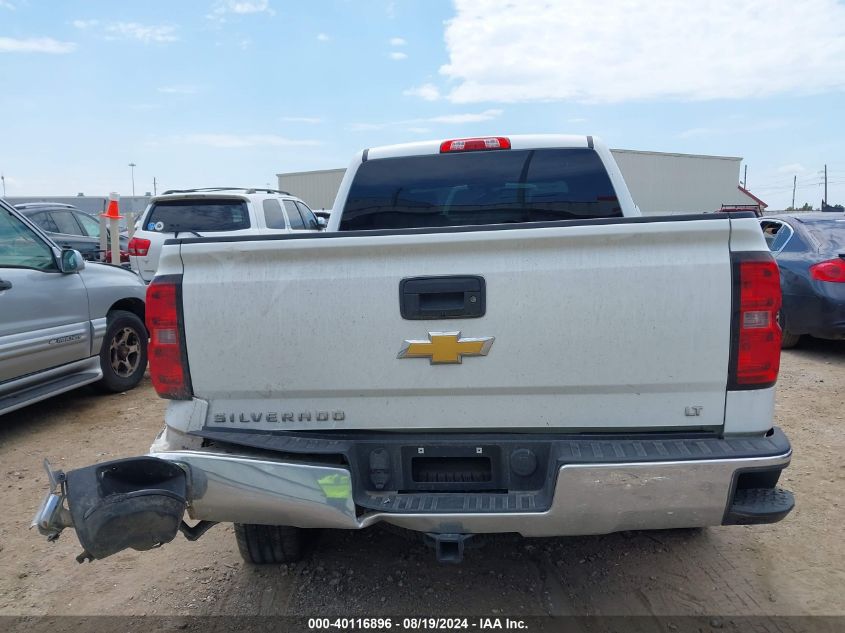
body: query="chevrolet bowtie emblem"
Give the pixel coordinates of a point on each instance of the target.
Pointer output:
(444, 348)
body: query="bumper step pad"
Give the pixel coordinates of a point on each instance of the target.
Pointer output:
(759, 505)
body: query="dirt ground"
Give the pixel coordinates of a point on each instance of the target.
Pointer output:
(796, 567)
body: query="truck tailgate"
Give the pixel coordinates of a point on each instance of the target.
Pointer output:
(596, 326)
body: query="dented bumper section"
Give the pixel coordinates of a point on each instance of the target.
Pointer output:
(140, 503)
(134, 503)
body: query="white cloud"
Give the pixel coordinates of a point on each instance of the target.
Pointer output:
(443, 119)
(735, 126)
(302, 119)
(429, 92)
(367, 127)
(35, 45)
(239, 7)
(260, 6)
(620, 50)
(695, 132)
(478, 117)
(323, 37)
(577, 120)
(398, 56)
(791, 168)
(129, 30)
(231, 141)
(177, 90)
(141, 32)
(397, 41)
(4, 4)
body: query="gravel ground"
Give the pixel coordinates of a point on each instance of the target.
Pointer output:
(796, 567)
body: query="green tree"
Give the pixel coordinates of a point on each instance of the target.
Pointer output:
(807, 207)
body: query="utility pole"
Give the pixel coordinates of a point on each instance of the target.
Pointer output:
(155, 193)
(825, 184)
(745, 178)
(133, 166)
(3, 180)
(794, 183)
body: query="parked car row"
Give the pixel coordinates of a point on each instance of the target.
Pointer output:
(218, 211)
(48, 296)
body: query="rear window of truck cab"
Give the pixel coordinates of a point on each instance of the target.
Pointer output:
(198, 214)
(477, 188)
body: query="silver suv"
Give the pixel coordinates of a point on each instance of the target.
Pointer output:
(63, 323)
(218, 212)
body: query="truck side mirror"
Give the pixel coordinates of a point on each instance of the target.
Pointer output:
(71, 261)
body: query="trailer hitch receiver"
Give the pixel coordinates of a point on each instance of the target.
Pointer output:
(448, 548)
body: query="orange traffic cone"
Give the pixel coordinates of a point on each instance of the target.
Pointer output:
(112, 211)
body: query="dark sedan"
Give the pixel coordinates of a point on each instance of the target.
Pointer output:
(810, 251)
(69, 227)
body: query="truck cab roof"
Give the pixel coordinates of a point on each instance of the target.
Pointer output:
(517, 179)
(517, 141)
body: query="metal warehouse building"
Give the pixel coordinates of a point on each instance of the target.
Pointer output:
(660, 183)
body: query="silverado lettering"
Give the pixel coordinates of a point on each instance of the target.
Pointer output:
(277, 416)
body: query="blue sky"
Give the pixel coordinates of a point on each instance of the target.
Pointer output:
(234, 91)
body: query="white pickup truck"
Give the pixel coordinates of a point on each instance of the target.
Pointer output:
(488, 338)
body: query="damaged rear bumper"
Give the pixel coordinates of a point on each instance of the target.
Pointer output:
(140, 503)
(135, 503)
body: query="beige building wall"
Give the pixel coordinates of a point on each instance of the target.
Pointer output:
(317, 188)
(662, 183)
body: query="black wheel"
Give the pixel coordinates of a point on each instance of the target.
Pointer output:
(787, 339)
(123, 356)
(269, 544)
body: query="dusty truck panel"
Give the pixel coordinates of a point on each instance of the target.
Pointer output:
(629, 356)
(488, 338)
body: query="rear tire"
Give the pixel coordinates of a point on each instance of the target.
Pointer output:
(123, 354)
(269, 544)
(787, 339)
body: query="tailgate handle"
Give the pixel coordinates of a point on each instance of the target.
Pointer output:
(449, 297)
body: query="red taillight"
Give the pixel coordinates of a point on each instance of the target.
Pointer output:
(139, 247)
(124, 256)
(168, 360)
(756, 333)
(831, 270)
(475, 144)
